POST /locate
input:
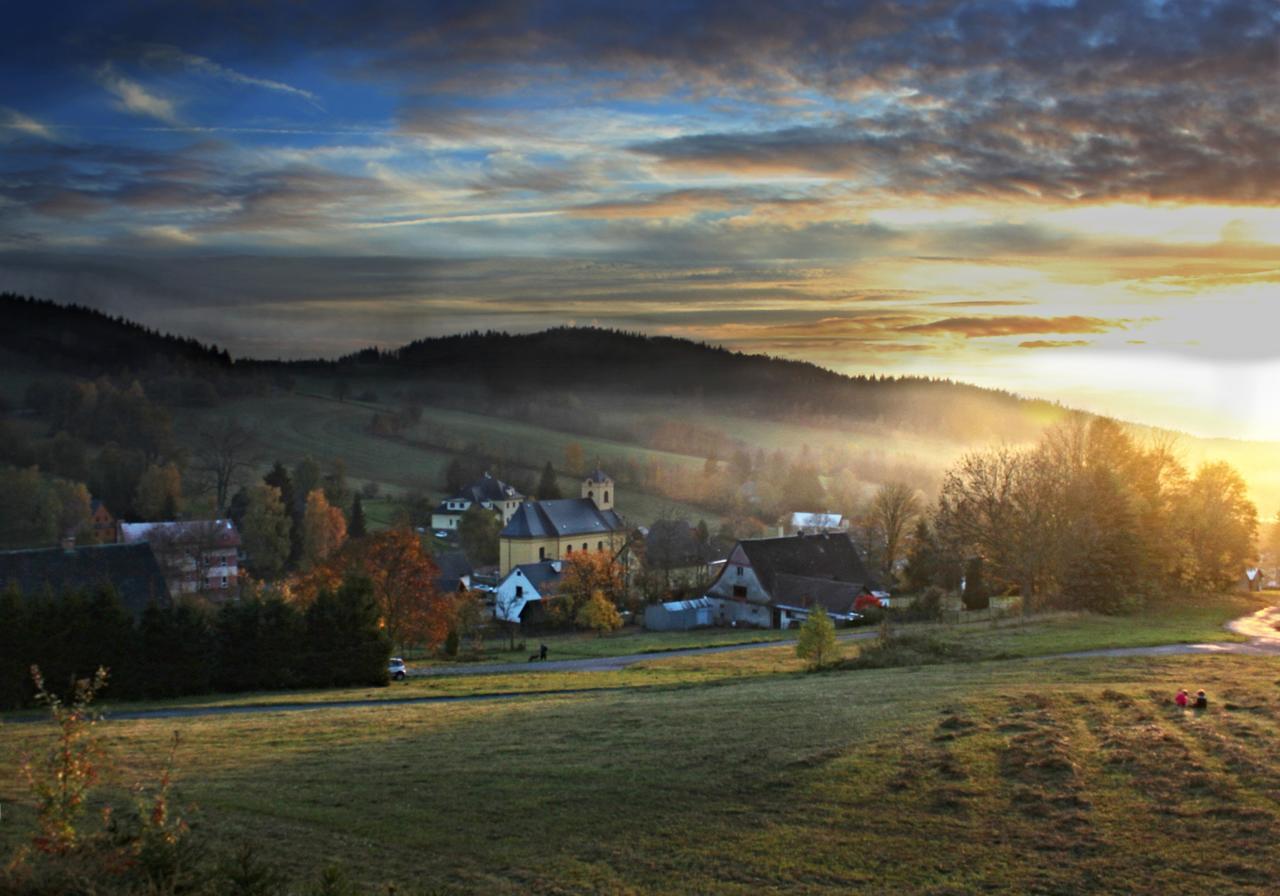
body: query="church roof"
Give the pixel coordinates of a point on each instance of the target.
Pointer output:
(599, 475)
(555, 519)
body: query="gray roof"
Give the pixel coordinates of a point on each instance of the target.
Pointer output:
(486, 488)
(804, 592)
(599, 475)
(129, 568)
(831, 557)
(539, 574)
(453, 565)
(556, 519)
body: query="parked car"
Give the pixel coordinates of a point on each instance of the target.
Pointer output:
(395, 667)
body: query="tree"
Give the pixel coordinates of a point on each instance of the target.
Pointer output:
(548, 487)
(599, 615)
(581, 576)
(817, 641)
(478, 533)
(358, 527)
(801, 489)
(336, 489)
(324, 529)
(574, 459)
(224, 448)
(894, 508)
(159, 494)
(1220, 526)
(265, 535)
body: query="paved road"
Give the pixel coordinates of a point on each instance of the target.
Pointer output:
(1260, 628)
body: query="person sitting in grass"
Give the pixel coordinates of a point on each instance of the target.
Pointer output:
(1181, 699)
(1202, 702)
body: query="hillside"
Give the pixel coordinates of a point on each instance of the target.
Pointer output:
(625, 397)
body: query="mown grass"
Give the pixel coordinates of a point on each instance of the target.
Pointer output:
(1046, 776)
(633, 639)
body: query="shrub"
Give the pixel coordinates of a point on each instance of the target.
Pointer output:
(911, 650)
(817, 641)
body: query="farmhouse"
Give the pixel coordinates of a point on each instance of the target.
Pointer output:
(773, 582)
(519, 596)
(490, 493)
(195, 555)
(130, 569)
(551, 530)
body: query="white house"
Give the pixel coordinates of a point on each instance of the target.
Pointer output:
(489, 493)
(526, 585)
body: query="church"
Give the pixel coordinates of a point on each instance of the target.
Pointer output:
(556, 530)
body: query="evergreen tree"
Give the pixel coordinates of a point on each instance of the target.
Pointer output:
(548, 487)
(478, 532)
(357, 529)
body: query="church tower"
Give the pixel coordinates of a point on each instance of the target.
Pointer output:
(599, 488)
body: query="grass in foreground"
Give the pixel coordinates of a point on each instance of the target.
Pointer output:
(1051, 776)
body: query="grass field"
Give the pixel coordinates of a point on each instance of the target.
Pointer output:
(1025, 776)
(292, 426)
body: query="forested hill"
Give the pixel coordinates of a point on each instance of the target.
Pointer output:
(81, 340)
(580, 360)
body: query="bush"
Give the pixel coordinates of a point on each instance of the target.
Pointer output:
(911, 650)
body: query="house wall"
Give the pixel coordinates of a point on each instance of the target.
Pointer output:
(515, 551)
(729, 611)
(738, 581)
(507, 606)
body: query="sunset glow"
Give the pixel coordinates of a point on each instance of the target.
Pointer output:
(1075, 201)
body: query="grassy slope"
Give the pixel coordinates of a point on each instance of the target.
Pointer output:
(1022, 776)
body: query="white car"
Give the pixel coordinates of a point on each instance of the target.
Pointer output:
(396, 669)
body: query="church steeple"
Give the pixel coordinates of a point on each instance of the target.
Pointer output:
(599, 488)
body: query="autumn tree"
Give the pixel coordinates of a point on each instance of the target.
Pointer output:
(817, 641)
(598, 614)
(574, 459)
(265, 534)
(403, 575)
(582, 575)
(159, 494)
(324, 529)
(1220, 527)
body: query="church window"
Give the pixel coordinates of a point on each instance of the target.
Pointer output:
(542, 553)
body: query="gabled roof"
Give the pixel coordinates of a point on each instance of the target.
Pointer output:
(599, 475)
(829, 556)
(221, 533)
(486, 488)
(453, 566)
(130, 568)
(556, 519)
(804, 592)
(542, 576)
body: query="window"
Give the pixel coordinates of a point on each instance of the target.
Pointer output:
(568, 550)
(519, 591)
(739, 590)
(584, 545)
(606, 497)
(591, 495)
(542, 553)
(224, 581)
(599, 545)
(739, 570)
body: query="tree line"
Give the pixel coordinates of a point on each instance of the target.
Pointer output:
(259, 643)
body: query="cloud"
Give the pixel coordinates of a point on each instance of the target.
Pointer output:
(135, 99)
(1014, 325)
(164, 55)
(14, 124)
(1054, 343)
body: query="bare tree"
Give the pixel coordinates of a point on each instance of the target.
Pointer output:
(225, 449)
(894, 510)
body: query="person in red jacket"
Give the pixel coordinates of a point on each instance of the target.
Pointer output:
(1181, 699)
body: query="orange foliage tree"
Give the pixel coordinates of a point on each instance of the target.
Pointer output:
(582, 575)
(324, 529)
(413, 611)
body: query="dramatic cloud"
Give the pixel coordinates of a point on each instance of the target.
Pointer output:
(977, 327)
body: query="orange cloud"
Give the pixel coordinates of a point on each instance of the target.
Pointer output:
(1016, 325)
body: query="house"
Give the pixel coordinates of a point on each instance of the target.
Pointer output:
(103, 528)
(195, 555)
(674, 556)
(490, 493)
(552, 530)
(131, 569)
(1252, 579)
(519, 596)
(812, 523)
(455, 572)
(680, 615)
(773, 582)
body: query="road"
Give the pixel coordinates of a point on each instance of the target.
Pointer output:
(1260, 628)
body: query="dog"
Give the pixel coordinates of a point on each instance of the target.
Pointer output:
(534, 658)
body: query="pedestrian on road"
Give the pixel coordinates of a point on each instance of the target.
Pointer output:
(1181, 699)
(542, 654)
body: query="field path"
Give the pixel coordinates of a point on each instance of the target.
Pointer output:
(1260, 628)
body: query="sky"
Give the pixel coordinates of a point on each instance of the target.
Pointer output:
(1072, 200)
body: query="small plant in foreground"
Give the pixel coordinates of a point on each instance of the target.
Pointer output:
(817, 641)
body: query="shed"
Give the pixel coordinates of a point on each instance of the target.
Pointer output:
(679, 615)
